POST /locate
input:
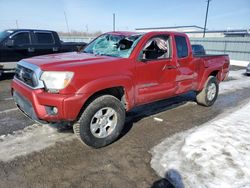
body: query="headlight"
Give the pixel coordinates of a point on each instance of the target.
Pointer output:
(55, 80)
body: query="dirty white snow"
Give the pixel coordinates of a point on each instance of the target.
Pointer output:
(214, 155)
(240, 81)
(239, 63)
(8, 110)
(32, 138)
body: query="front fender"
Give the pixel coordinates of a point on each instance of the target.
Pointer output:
(106, 82)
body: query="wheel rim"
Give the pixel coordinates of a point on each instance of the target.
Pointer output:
(103, 122)
(211, 91)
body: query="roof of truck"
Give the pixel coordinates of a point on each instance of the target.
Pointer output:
(129, 33)
(29, 30)
(125, 33)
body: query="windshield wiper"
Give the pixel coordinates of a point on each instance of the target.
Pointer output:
(107, 55)
(87, 52)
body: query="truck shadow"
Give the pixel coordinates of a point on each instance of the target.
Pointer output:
(146, 110)
(140, 112)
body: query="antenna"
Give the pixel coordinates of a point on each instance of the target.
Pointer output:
(113, 21)
(87, 28)
(17, 24)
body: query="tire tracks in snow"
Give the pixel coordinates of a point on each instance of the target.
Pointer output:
(32, 138)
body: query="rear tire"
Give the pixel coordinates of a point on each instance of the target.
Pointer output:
(101, 122)
(208, 95)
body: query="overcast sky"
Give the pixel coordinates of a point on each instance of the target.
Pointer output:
(96, 15)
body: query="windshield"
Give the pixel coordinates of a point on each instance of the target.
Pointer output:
(113, 45)
(4, 34)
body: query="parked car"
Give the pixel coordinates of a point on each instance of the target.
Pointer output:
(113, 74)
(248, 69)
(17, 44)
(198, 49)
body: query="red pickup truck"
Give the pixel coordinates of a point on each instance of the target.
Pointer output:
(117, 71)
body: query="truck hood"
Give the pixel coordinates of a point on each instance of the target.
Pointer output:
(66, 60)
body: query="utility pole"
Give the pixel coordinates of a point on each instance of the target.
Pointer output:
(204, 33)
(113, 21)
(87, 28)
(66, 20)
(17, 24)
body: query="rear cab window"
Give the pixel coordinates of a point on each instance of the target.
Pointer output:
(181, 46)
(44, 38)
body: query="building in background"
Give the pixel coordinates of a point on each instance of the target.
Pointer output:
(186, 28)
(194, 31)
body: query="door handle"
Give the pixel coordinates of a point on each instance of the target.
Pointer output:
(169, 67)
(55, 49)
(31, 49)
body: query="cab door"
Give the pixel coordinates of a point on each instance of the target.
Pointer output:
(17, 47)
(155, 70)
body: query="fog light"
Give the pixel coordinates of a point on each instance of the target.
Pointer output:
(55, 110)
(51, 110)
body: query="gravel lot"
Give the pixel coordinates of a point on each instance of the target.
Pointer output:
(126, 163)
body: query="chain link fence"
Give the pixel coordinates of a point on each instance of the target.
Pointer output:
(238, 48)
(76, 39)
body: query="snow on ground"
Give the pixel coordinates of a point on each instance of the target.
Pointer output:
(240, 81)
(32, 138)
(239, 63)
(216, 154)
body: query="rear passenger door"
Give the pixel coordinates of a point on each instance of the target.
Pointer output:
(44, 43)
(184, 63)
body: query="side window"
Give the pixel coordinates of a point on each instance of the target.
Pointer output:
(21, 38)
(181, 45)
(44, 38)
(156, 48)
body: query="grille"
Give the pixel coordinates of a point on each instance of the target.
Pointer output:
(26, 76)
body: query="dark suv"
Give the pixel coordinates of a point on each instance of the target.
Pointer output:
(17, 44)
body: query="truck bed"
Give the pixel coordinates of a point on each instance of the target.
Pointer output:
(210, 55)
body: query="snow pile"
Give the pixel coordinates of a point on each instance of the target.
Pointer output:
(216, 154)
(239, 63)
(240, 82)
(32, 138)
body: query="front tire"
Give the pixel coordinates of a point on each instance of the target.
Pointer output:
(101, 122)
(209, 94)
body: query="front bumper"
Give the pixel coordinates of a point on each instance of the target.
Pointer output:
(8, 67)
(36, 102)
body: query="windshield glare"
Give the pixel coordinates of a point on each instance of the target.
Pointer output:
(113, 45)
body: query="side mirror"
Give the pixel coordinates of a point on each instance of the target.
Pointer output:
(10, 43)
(142, 56)
(144, 60)
(79, 48)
